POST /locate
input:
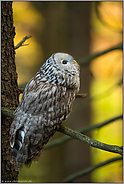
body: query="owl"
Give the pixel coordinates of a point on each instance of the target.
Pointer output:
(46, 102)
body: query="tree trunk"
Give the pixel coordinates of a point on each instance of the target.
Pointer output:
(9, 87)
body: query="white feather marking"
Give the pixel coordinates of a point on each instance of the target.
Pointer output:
(50, 109)
(12, 144)
(22, 135)
(53, 89)
(62, 118)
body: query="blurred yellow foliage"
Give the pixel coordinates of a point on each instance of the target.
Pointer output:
(111, 13)
(105, 89)
(108, 66)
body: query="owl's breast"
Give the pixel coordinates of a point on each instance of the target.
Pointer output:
(61, 106)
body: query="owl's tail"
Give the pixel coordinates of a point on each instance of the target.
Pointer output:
(22, 151)
(18, 153)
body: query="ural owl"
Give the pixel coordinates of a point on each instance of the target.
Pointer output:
(45, 104)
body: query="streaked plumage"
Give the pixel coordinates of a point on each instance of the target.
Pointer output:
(45, 104)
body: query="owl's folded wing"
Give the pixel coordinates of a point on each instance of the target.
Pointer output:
(41, 97)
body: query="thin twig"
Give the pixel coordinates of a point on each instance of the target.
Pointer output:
(22, 41)
(90, 141)
(90, 169)
(83, 95)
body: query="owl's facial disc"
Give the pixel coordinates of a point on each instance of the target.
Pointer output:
(66, 62)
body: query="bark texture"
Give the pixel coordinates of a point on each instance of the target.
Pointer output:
(9, 88)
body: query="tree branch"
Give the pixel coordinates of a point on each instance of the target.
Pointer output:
(77, 135)
(65, 138)
(83, 95)
(87, 59)
(90, 141)
(22, 41)
(90, 169)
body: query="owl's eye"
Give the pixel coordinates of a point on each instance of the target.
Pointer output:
(64, 62)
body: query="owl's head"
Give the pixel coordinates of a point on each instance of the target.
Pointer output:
(61, 69)
(66, 63)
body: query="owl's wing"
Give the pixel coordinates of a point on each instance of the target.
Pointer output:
(40, 102)
(41, 98)
(33, 98)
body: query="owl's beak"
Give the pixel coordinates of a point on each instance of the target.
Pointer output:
(75, 61)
